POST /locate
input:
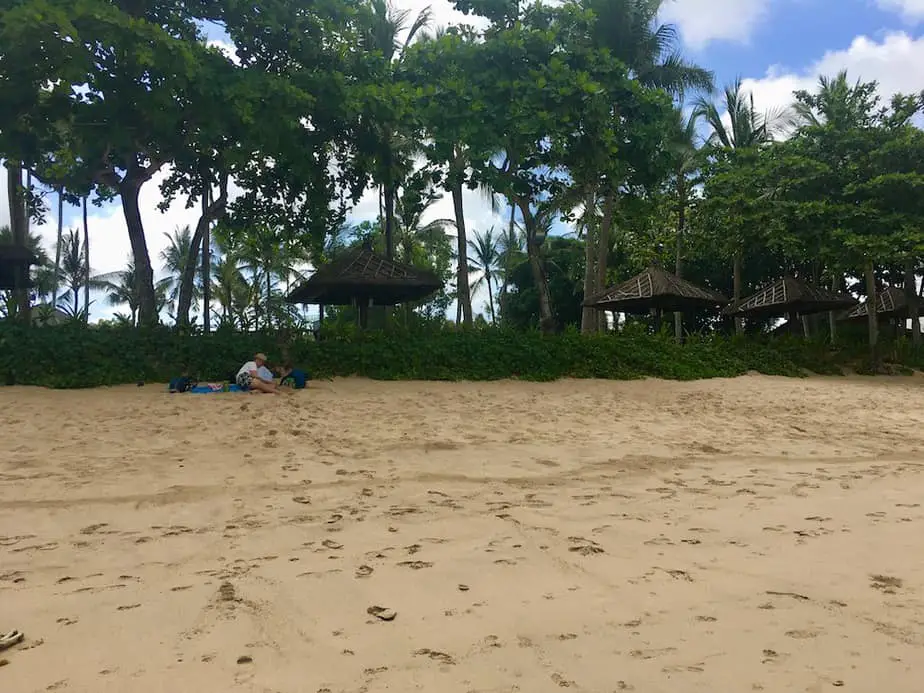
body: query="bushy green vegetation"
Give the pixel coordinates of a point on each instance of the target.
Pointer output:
(72, 356)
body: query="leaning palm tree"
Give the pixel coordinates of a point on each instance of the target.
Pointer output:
(485, 260)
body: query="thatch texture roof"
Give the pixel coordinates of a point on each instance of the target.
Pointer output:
(790, 295)
(890, 302)
(655, 288)
(362, 275)
(12, 257)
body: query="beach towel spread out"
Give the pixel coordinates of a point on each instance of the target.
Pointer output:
(210, 388)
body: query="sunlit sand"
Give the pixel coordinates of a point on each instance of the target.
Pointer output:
(729, 535)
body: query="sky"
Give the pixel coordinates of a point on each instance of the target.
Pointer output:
(775, 46)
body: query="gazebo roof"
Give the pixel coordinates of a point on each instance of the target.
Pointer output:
(655, 288)
(889, 302)
(790, 295)
(11, 258)
(363, 275)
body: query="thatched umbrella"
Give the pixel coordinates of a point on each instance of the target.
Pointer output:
(789, 295)
(655, 289)
(13, 258)
(363, 278)
(890, 303)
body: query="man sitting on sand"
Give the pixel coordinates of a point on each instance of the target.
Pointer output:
(251, 379)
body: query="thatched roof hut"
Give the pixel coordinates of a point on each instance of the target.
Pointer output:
(789, 295)
(13, 257)
(890, 303)
(363, 277)
(655, 289)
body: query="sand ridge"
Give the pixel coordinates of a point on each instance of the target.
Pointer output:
(726, 535)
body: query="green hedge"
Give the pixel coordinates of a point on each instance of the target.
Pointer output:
(74, 356)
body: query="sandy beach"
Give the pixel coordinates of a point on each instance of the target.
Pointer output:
(756, 534)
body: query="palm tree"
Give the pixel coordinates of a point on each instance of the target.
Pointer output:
(86, 253)
(229, 288)
(59, 244)
(393, 149)
(175, 256)
(121, 289)
(269, 257)
(74, 275)
(631, 31)
(43, 276)
(686, 161)
(486, 260)
(745, 128)
(836, 103)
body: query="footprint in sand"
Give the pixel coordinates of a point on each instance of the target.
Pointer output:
(415, 565)
(885, 583)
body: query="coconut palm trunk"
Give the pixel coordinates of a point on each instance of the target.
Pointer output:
(54, 291)
(86, 259)
(872, 300)
(20, 232)
(463, 290)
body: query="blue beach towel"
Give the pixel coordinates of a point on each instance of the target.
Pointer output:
(208, 390)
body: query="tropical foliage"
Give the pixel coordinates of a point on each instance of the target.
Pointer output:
(604, 149)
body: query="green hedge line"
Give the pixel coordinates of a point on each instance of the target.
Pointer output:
(75, 356)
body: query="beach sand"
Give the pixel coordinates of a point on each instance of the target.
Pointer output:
(756, 534)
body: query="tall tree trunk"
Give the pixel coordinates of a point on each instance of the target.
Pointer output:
(491, 300)
(603, 250)
(269, 296)
(511, 231)
(678, 252)
(390, 221)
(20, 232)
(911, 298)
(736, 279)
(210, 212)
(462, 287)
(872, 303)
(54, 288)
(144, 273)
(588, 314)
(533, 251)
(86, 258)
(206, 262)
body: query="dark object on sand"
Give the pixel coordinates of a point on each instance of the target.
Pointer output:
(140, 383)
(245, 659)
(7, 640)
(382, 613)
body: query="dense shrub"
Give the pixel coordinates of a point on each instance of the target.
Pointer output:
(76, 356)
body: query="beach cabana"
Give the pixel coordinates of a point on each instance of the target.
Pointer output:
(890, 303)
(789, 296)
(655, 289)
(13, 259)
(363, 278)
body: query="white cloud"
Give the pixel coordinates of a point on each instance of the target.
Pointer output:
(897, 64)
(703, 21)
(912, 11)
